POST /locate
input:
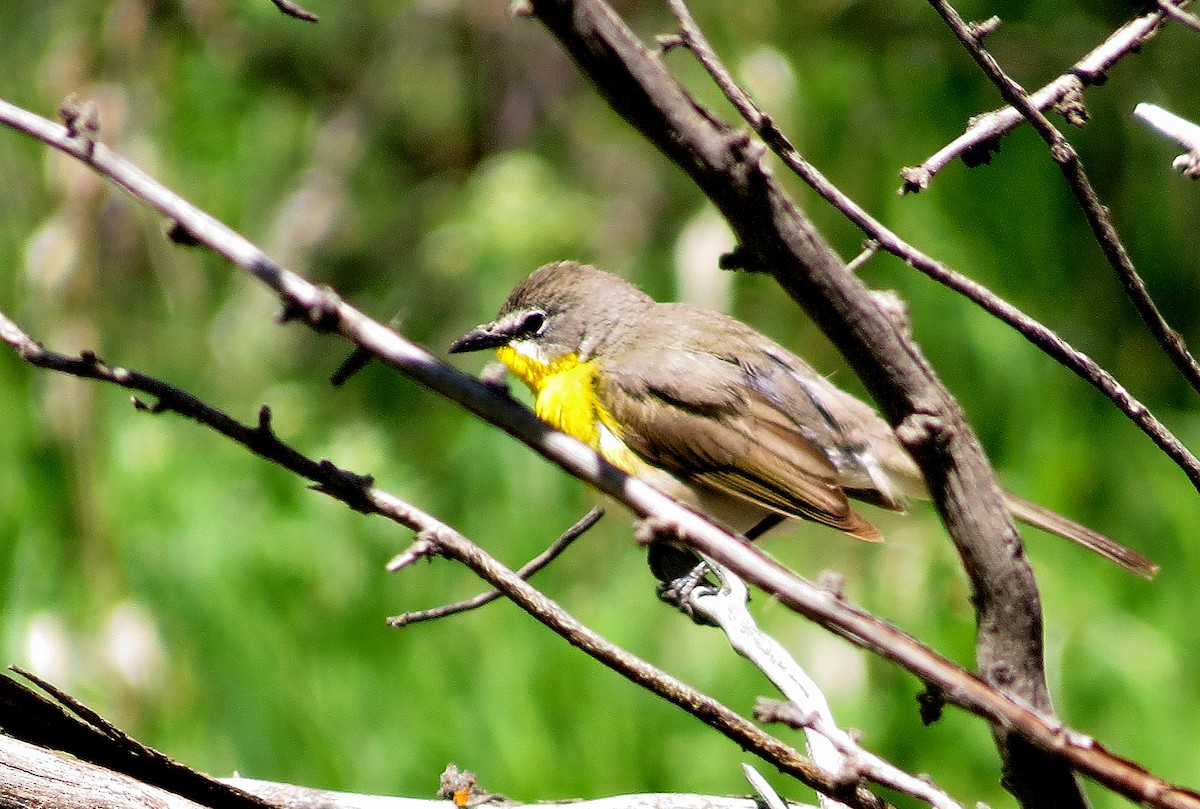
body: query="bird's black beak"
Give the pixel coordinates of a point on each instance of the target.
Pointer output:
(487, 335)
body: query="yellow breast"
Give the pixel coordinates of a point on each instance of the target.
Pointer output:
(565, 398)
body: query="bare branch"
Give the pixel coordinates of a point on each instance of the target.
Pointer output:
(293, 9)
(436, 538)
(881, 237)
(453, 545)
(544, 558)
(1097, 215)
(1180, 130)
(829, 745)
(65, 724)
(1175, 11)
(34, 776)
(321, 309)
(984, 131)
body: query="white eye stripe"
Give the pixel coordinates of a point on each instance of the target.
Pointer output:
(529, 349)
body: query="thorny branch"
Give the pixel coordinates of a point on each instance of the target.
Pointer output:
(957, 686)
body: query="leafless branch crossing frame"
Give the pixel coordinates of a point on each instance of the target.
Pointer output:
(1097, 215)
(321, 309)
(775, 236)
(882, 237)
(991, 126)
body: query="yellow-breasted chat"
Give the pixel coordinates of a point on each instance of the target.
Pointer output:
(712, 412)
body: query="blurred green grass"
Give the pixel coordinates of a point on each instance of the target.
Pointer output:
(421, 158)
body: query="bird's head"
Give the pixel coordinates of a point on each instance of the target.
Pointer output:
(563, 310)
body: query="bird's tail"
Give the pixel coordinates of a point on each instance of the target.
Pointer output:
(1047, 520)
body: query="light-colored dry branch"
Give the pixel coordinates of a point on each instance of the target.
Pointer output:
(1097, 215)
(880, 237)
(1180, 130)
(830, 746)
(323, 310)
(990, 126)
(1175, 11)
(33, 776)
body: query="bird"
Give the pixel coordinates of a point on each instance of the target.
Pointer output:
(712, 412)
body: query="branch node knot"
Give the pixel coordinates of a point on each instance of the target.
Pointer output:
(981, 153)
(81, 117)
(980, 31)
(321, 314)
(264, 422)
(142, 406)
(669, 42)
(918, 429)
(833, 583)
(179, 233)
(349, 487)
(1072, 108)
(426, 545)
(915, 178)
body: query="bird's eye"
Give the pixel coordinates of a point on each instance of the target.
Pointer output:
(534, 323)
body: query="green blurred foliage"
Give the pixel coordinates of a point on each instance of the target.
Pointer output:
(421, 158)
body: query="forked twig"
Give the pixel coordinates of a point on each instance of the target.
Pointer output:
(983, 131)
(582, 526)
(1097, 215)
(1044, 338)
(1175, 12)
(323, 310)
(829, 745)
(436, 538)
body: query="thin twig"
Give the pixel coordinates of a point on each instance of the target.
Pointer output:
(1097, 215)
(321, 309)
(828, 609)
(293, 9)
(985, 130)
(436, 538)
(525, 572)
(1044, 338)
(453, 545)
(1175, 12)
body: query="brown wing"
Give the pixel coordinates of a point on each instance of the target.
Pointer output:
(694, 414)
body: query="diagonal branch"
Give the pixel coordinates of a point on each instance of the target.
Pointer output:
(321, 309)
(776, 237)
(727, 607)
(437, 538)
(582, 526)
(1094, 211)
(1048, 341)
(1175, 10)
(985, 130)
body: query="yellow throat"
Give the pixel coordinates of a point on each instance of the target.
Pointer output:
(565, 398)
